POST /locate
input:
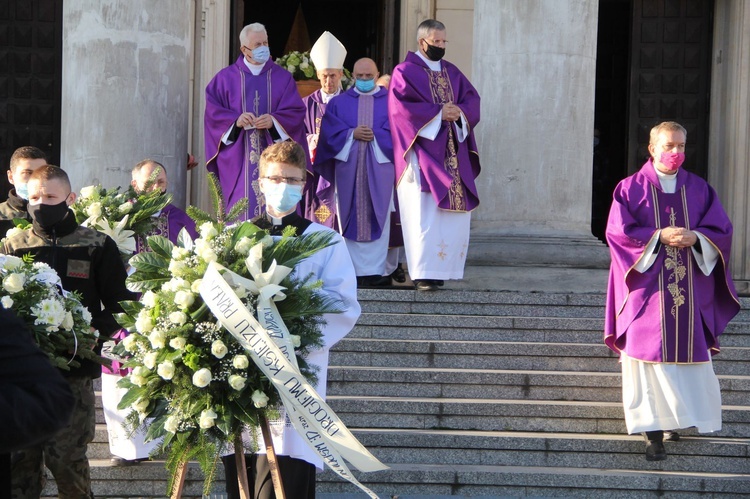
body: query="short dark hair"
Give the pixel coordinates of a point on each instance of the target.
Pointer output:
(26, 152)
(50, 172)
(287, 152)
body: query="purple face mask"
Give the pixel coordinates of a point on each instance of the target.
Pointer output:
(672, 160)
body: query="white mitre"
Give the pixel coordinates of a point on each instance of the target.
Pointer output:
(328, 52)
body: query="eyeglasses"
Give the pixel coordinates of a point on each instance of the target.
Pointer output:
(288, 180)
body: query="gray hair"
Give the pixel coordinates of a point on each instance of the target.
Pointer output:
(424, 28)
(254, 27)
(665, 126)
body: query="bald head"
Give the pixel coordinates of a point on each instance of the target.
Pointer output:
(365, 69)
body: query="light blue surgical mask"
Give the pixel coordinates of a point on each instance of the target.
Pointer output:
(22, 190)
(282, 197)
(365, 85)
(261, 54)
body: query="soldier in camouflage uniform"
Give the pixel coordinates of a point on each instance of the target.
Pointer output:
(88, 262)
(23, 162)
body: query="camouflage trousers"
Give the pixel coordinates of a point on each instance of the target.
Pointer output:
(64, 454)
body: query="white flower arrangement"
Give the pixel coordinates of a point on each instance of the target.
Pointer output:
(120, 215)
(201, 388)
(60, 324)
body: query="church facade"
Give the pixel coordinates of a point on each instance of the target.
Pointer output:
(553, 74)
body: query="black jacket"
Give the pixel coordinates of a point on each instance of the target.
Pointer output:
(87, 261)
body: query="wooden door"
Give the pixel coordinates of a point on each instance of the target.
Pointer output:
(30, 79)
(670, 75)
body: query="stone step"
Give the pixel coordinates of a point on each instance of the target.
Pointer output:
(488, 328)
(503, 415)
(503, 355)
(451, 481)
(497, 384)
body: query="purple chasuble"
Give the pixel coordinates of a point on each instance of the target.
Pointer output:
(364, 186)
(672, 312)
(449, 167)
(231, 92)
(169, 223)
(315, 108)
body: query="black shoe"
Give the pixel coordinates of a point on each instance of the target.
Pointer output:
(425, 285)
(655, 451)
(373, 281)
(439, 282)
(119, 461)
(399, 275)
(671, 436)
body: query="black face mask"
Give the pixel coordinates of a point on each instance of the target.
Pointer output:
(48, 215)
(434, 53)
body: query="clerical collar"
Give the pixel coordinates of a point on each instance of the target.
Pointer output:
(433, 65)
(668, 181)
(326, 97)
(255, 69)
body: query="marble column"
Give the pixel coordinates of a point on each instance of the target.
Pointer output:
(125, 91)
(534, 65)
(729, 136)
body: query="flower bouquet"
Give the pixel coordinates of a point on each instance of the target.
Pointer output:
(189, 375)
(120, 215)
(60, 324)
(302, 68)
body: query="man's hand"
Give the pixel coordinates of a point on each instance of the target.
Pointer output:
(245, 119)
(263, 122)
(451, 112)
(363, 133)
(679, 237)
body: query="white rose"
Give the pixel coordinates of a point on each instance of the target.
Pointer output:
(219, 349)
(178, 318)
(208, 231)
(139, 376)
(237, 382)
(175, 284)
(149, 299)
(243, 246)
(126, 207)
(94, 209)
(179, 253)
(177, 267)
(166, 369)
(296, 340)
(202, 377)
(88, 191)
(267, 241)
(140, 405)
(259, 398)
(6, 301)
(143, 322)
(178, 343)
(149, 360)
(195, 287)
(68, 322)
(207, 419)
(14, 231)
(13, 283)
(10, 262)
(304, 65)
(240, 362)
(171, 424)
(184, 299)
(158, 339)
(129, 343)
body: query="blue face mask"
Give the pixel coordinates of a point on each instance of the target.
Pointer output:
(22, 190)
(282, 197)
(365, 85)
(261, 54)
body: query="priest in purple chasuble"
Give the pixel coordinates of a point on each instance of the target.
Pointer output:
(433, 112)
(354, 161)
(249, 106)
(670, 294)
(328, 55)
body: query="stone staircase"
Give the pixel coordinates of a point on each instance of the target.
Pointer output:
(497, 394)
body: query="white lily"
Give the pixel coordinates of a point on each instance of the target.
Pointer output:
(123, 237)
